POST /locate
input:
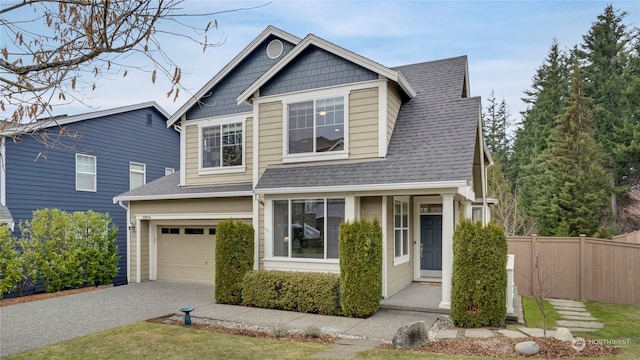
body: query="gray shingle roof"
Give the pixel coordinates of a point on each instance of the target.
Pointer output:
(433, 140)
(5, 215)
(168, 187)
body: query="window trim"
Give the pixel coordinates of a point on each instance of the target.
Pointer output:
(169, 171)
(405, 243)
(220, 122)
(143, 172)
(314, 156)
(95, 172)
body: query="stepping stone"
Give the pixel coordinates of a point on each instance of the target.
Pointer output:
(580, 324)
(566, 303)
(478, 333)
(536, 332)
(581, 330)
(569, 308)
(511, 334)
(573, 313)
(578, 317)
(447, 334)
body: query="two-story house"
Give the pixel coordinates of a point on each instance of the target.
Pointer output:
(296, 135)
(80, 162)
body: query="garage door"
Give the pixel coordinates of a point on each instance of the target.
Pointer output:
(186, 254)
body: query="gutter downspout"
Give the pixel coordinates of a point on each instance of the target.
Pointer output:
(126, 207)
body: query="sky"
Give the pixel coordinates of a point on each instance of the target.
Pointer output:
(505, 41)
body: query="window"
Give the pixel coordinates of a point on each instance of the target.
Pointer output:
(168, 171)
(194, 231)
(137, 175)
(170, 230)
(476, 213)
(316, 126)
(401, 227)
(86, 173)
(222, 145)
(307, 228)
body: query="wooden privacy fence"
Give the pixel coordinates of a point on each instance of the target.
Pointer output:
(577, 268)
(632, 237)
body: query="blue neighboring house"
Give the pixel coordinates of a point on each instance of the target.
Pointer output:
(80, 162)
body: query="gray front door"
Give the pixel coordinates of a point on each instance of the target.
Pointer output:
(431, 242)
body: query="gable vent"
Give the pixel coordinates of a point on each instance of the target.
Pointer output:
(274, 49)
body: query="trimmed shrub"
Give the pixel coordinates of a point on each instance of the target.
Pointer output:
(360, 267)
(234, 258)
(10, 262)
(316, 293)
(479, 281)
(69, 250)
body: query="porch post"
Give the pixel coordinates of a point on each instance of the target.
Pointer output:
(447, 249)
(467, 209)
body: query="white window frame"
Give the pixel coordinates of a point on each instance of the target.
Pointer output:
(474, 210)
(220, 121)
(133, 171)
(94, 173)
(405, 242)
(314, 156)
(169, 171)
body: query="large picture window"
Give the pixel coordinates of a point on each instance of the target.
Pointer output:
(316, 126)
(222, 145)
(307, 228)
(401, 227)
(86, 173)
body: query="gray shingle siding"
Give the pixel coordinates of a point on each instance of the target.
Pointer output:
(222, 100)
(316, 68)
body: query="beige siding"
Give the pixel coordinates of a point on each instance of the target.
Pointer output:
(401, 275)
(371, 207)
(393, 107)
(192, 165)
(363, 123)
(175, 207)
(270, 147)
(261, 239)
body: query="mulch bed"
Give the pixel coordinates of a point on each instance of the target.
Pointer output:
(502, 347)
(297, 337)
(23, 299)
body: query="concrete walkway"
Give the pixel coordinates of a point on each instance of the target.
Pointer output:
(574, 316)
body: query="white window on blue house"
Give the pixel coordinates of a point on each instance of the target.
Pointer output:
(401, 229)
(86, 179)
(137, 175)
(307, 228)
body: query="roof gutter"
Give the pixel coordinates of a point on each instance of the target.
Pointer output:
(182, 196)
(368, 187)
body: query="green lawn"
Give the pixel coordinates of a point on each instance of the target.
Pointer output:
(158, 341)
(533, 316)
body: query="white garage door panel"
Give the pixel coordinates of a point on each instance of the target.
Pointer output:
(186, 258)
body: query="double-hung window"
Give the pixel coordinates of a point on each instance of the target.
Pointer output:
(86, 173)
(137, 175)
(307, 228)
(316, 126)
(222, 146)
(401, 228)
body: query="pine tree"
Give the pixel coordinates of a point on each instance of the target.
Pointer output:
(574, 188)
(496, 120)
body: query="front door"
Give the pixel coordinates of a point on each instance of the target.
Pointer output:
(431, 243)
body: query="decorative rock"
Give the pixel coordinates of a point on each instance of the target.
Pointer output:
(563, 334)
(527, 348)
(411, 336)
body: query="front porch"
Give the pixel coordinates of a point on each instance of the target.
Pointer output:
(417, 296)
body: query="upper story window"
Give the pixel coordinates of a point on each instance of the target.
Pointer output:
(86, 173)
(316, 126)
(222, 145)
(137, 175)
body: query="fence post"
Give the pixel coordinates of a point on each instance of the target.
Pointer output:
(534, 239)
(583, 267)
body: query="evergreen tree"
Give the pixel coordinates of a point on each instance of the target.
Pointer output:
(573, 186)
(506, 212)
(496, 121)
(546, 100)
(605, 55)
